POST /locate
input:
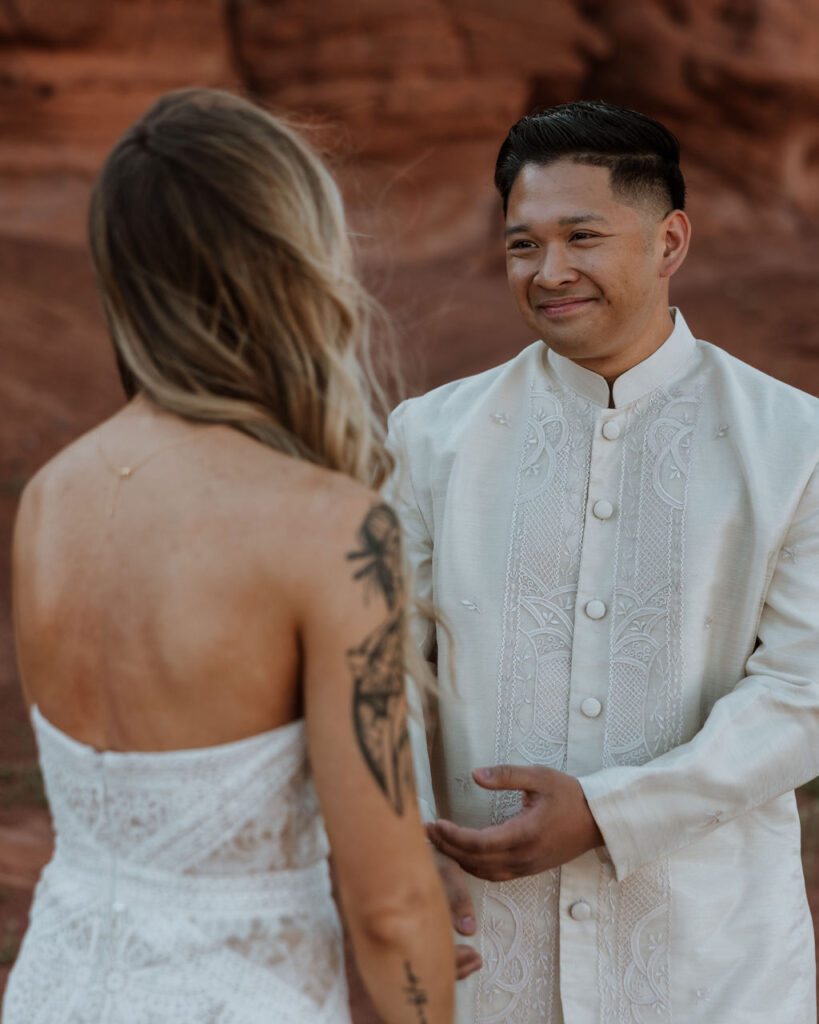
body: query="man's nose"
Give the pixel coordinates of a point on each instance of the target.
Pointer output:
(554, 269)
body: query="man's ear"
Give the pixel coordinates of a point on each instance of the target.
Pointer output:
(675, 237)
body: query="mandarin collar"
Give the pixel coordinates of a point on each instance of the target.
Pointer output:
(651, 373)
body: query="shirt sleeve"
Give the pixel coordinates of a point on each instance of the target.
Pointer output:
(759, 741)
(400, 492)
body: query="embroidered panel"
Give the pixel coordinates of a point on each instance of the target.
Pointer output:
(645, 705)
(644, 716)
(544, 561)
(633, 934)
(644, 708)
(519, 942)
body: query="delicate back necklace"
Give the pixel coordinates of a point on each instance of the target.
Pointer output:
(124, 473)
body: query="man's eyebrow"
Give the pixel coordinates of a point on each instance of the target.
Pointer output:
(515, 229)
(581, 218)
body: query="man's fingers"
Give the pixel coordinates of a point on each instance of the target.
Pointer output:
(509, 776)
(495, 839)
(450, 851)
(474, 862)
(467, 961)
(494, 867)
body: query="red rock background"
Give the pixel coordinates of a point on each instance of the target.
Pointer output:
(411, 99)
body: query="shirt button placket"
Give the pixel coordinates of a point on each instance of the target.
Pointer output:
(596, 583)
(589, 697)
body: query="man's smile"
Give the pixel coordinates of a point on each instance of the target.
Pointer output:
(560, 307)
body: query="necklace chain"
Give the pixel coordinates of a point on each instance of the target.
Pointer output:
(124, 473)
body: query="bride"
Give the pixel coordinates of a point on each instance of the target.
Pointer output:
(210, 617)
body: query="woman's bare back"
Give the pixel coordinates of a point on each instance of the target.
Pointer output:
(180, 587)
(155, 611)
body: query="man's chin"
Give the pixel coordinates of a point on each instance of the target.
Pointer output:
(572, 344)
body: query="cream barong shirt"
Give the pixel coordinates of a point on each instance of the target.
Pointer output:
(634, 598)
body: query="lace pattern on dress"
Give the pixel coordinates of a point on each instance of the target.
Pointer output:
(189, 886)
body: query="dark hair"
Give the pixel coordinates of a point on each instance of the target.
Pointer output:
(642, 155)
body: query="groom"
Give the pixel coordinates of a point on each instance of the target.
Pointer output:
(621, 526)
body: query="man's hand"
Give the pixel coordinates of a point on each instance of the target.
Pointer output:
(553, 827)
(467, 959)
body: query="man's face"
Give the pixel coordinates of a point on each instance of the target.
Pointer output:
(584, 266)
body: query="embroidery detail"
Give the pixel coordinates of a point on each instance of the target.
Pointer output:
(645, 687)
(519, 944)
(519, 940)
(471, 606)
(464, 783)
(515, 983)
(542, 575)
(645, 682)
(503, 418)
(633, 953)
(722, 431)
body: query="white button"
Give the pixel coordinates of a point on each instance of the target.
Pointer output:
(603, 509)
(611, 430)
(580, 911)
(118, 907)
(595, 609)
(591, 707)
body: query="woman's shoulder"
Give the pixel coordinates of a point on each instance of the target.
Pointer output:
(331, 525)
(53, 476)
(332, 508)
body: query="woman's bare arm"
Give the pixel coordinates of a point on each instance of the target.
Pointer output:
(354, 639)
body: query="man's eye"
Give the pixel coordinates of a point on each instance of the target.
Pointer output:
(582, 236)
(521, 243)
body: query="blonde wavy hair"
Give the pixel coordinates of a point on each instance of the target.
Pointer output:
(226, 276)
(227, 279)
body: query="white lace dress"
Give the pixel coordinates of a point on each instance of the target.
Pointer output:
(188, 887)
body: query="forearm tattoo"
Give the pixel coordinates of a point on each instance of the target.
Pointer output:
(416, 996)
(377, 664)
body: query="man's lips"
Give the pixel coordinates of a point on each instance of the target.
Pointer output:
(557, 307)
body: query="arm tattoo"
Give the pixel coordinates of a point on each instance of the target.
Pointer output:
(380, 538)
(415, 994)
(377, 664)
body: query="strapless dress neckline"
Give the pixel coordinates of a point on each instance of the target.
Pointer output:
(285, 731)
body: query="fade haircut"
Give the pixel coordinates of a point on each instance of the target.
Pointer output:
(642, 155)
